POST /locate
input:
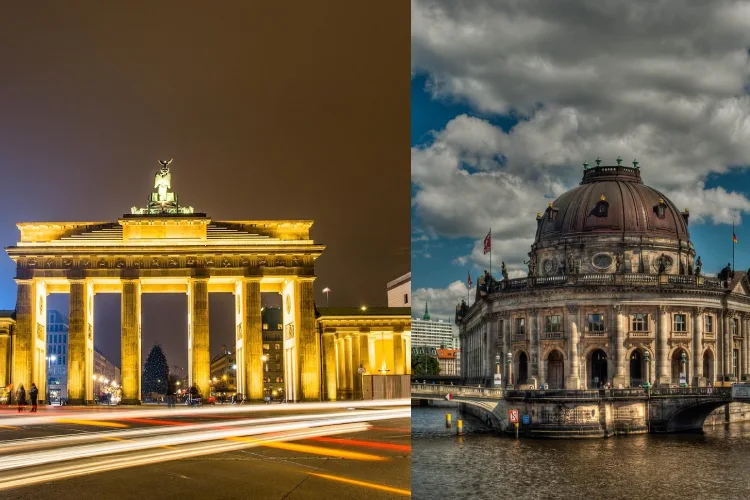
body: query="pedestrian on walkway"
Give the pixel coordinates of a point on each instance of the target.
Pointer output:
(34, 393)
(21, 397)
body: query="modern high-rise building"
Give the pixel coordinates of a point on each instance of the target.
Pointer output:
(224, 369)
(399, 291)
(57, 354)
(432, 333)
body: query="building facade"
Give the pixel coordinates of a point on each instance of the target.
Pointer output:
(399, 291)
(273, 345)
(429, 332)
(224, 370)
(57, 355)
(614, 295)
(448, 361)
(105, 374)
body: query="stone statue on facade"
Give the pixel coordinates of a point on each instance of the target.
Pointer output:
(489, 281)
(618, 263)
(571, 264)
(698, 266)
(532, 265)
(662, 264)
(504, 271)
(726, 274)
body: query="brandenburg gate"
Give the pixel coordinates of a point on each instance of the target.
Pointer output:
(167, 248)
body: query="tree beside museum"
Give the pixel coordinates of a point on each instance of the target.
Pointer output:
(155, 372)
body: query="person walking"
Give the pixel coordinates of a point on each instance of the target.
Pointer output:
(21, 397)
(34, 393)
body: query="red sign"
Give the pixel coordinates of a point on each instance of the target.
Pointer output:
(513, 415)
(449, 396)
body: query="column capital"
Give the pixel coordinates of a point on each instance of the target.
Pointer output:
(572, 308)
(664, 309)
(305, 279)
(617, 308)
(251, 279)
(699, 310)
(24, 281)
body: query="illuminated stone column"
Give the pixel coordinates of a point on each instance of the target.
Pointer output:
(619, 350)
(399, 361)
(199, 341)
(662, 348)
(573, 380)
(23, 348)
(341, 367)
(253, 328)
(4, 358)
(309, 347)
(80, 350)
(364, 349)
(698, 377)
(349, 369)
(534, 348)
(356, 350)
(131, 342)
(329, 351)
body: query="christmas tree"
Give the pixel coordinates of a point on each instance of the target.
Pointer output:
(155, 372)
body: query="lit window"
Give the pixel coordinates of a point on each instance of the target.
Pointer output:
(265, 326)
(554, 324)
(596, 323)
(640, 322)
(279, 326)
(708, 324)
(680, 323)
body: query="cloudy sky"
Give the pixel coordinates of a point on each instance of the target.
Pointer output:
(509, 98)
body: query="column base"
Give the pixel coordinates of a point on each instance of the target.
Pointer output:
(573, 383)
(699, 381)
(130, 401)
(620, 381)
(533, 382)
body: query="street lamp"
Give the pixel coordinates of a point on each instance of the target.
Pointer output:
(326, 291)
(497, 366)
(50, 360)
(509, 362)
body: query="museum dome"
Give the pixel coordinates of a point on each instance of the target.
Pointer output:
(611, 200)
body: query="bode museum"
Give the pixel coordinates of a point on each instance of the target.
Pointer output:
(614, 295)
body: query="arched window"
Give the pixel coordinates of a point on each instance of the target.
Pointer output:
(660, 209)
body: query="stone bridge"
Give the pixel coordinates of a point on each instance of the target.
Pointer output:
(590, 413)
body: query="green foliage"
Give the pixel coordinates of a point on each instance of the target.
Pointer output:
(155, 372)
(422, 364)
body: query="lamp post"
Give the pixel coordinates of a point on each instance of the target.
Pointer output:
(497, 368)
(509, 364)
(326, 291)
(49, 359)
(683, 372)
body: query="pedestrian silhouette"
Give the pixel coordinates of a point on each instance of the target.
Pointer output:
(21, 397)
(34, 393)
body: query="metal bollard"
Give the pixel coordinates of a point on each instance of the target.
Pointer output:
(448, 417)
(460, 427)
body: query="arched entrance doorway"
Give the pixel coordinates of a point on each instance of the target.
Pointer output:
(680, 368)
(708, 367)
(637, 374)
(555, 370)
(598, 369)
(523, 368)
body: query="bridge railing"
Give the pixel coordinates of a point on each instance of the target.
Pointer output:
(692, 391)
(457, 390)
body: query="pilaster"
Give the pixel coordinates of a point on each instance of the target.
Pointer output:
(131, 342)
(80, 346)
(620, 380)
(253, 342)
(698, 377)
(662, 353)
(329, 350)
(309, 354)
(573, 380)
(198, 344)
(25, 338)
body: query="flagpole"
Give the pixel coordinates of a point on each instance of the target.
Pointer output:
(490, 233)
(734, 242)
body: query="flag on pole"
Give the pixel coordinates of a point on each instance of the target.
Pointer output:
(469, 273)
(734, 237)
(488, 242)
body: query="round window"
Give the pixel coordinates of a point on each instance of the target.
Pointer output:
(602, 261)
(549, 266)
(663, 260)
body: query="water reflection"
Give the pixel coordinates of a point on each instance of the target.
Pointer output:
(714, 464)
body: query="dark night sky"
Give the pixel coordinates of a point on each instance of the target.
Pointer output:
(270, 112)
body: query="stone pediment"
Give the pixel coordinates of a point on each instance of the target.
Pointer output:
(741, 284)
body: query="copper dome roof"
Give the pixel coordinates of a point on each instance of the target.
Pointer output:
(612, 200)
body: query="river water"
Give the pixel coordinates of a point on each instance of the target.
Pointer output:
(715, 464)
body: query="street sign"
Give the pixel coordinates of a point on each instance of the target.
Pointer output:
(361, 370)
(498, 380)
(513, 416)
(526, 420)
(449, 396)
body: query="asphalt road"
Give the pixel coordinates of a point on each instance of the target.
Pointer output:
(294, 451)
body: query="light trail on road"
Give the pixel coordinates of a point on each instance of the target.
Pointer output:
(103, 464)
(53, 441)
(37, 458)
(57, 414)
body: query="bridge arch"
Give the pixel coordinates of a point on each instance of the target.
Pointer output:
(686, 417)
